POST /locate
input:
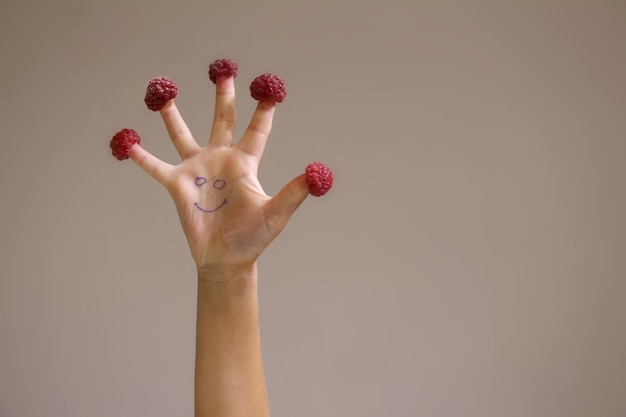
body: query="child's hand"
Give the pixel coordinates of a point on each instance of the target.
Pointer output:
(227, 217)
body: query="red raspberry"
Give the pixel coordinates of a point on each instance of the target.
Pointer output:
(160, 90)
(222, 67)
(122, 142)
(319, 178)
(268, 87)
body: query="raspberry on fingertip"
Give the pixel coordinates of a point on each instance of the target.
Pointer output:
(222, 68)
(122, 142)
(268, 87)
(160, 90)
(319, 178)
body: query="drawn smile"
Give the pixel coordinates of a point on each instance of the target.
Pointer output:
(218, 184)
(211, 211)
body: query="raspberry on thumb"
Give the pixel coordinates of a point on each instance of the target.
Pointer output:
(319, 178)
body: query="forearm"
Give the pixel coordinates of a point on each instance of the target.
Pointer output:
(229, 378)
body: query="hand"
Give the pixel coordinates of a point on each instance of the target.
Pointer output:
(226, 216)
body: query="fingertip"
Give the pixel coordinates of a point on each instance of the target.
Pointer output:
(170, 114)
(139, 155)
(135, 151)
(168, 107)
(300, 187)
(225, 84)
(266, 105)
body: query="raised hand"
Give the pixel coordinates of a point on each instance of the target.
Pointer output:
(225, 214)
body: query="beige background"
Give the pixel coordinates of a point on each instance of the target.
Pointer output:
(470, 260)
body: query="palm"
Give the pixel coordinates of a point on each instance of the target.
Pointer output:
(221, 205)
(225, 214)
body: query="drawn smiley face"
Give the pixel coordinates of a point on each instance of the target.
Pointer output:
(218, 184)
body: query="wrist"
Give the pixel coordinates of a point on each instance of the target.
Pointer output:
(223, 272)
(229, 292)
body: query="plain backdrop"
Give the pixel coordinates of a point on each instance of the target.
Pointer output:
(470, 260)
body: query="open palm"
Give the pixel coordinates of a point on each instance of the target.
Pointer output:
(225, 214)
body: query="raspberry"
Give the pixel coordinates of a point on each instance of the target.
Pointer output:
(268, 87)
(122, 142)
(160, 90)
(222, 67)
(319, 178)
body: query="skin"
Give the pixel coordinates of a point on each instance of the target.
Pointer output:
(217, 184)
(225, 244)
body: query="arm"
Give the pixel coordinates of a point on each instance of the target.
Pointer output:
(228, 221)
(229, 370)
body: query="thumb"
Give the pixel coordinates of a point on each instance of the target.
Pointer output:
(282, 206)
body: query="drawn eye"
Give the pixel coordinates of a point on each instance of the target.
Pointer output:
(200, 181)
(219, 184)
